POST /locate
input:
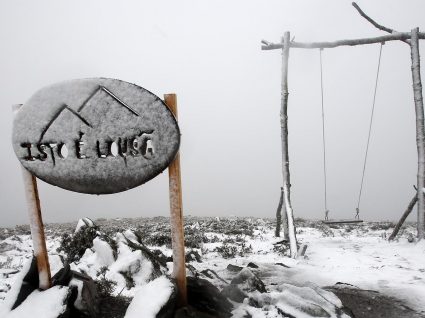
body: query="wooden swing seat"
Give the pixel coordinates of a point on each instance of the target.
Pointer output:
(344, 221)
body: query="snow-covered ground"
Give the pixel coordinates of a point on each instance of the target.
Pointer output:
(359, 255)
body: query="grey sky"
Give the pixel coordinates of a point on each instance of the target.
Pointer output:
(208, 52)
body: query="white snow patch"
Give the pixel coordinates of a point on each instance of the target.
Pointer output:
(103, 251)
(83, 222)
(132, 262)
(55, 263)
(300, 302)
(150, 298)
(129, 234)
(46, 304)
(14, 291)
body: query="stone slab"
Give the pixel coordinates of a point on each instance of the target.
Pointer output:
(95, 136)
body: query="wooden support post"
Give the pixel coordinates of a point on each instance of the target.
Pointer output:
(282, 217)
(36, 225)
(420, 132)
(285, 155)
(279, 214)
(176, 217)
(403, 217)
(37, 229)
(285, 223)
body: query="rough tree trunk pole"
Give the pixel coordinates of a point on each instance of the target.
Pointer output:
(36, 225)
(279, 214)
(353, 42)
(281, 218)
(176, 217)
(403, 217)
(285, 155)
(420, 132)
(285, 222)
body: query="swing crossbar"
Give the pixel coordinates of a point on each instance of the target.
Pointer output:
(345, 221)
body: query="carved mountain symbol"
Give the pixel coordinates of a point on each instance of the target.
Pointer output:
(78, 114)
(58, 114)
(104, 89)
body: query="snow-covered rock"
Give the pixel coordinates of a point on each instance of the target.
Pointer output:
(82, 223)
(47, 304)
(300, 302)
(103, 251)
(248, 281)
(151, 298)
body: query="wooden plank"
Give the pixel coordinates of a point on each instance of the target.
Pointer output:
(176, 217)
(342, 221)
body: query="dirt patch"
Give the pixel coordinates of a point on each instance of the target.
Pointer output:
(372, 304)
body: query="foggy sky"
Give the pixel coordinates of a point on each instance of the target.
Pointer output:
(208, 52)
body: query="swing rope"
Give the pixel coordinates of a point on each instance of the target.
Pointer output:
(370, 131)
(323, 135)
(357, 216)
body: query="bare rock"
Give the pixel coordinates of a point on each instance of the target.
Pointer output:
(213, 275)
(206, 298)
(234, 268)
(248, 281)
(193, 256)
(371, 304)
(252, 265)
(190, 312)
(4, 247)
(234, 293)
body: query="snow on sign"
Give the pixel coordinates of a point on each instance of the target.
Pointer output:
(95, 135)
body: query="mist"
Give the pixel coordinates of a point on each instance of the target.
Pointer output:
(228, 90)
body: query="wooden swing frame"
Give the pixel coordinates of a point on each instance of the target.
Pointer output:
(412, 39)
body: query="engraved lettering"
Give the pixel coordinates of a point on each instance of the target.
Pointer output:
(78, 145)
(134, 147)
(99, 152)
(113, 149)
(43, 154)
(122, 147)
(52, 146)
(62, 151)
(29, 156)
(147, 149)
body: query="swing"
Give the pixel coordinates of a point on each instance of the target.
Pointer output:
(356, 219)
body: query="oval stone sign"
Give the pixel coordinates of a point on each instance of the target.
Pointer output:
(95, 135)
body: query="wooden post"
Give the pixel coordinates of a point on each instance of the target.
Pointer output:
(420, 132)
(36, 225)
(281, 218)
(285, 155)
(37, 229)
(285, 222)
(403, 217)
(279, 214)
(176, 217)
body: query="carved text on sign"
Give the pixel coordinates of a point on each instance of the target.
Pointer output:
(95, 135)
(135, 146)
